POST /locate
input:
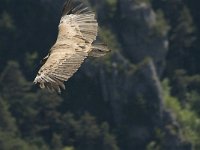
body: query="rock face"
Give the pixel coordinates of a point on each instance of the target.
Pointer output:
(134, 95)
(133, 92)
(142, 37)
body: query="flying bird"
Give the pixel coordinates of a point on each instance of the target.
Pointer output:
(77, 33)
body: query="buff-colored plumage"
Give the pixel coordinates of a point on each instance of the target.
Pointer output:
(77, 32)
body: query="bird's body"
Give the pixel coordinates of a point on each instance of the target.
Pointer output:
(77, 32)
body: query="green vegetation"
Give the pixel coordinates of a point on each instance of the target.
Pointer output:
(188, 119)
(161, 27)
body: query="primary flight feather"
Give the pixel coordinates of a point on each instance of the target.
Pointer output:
(76, 41)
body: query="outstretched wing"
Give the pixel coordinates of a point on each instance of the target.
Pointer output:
(77, 31)
(59, 68)
(77, 13)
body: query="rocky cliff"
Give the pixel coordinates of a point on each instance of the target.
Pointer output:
(129, 80)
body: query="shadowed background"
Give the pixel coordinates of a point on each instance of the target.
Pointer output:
(144, 95)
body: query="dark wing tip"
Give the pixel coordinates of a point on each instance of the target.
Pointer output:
(67, 7)
(75, 7)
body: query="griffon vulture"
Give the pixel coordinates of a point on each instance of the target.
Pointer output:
(76, 41)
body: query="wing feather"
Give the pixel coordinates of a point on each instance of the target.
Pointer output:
(54, 75)
(77, 13)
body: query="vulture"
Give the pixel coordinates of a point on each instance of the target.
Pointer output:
(77, 39)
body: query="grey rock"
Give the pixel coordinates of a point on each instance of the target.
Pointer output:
(138, 33)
